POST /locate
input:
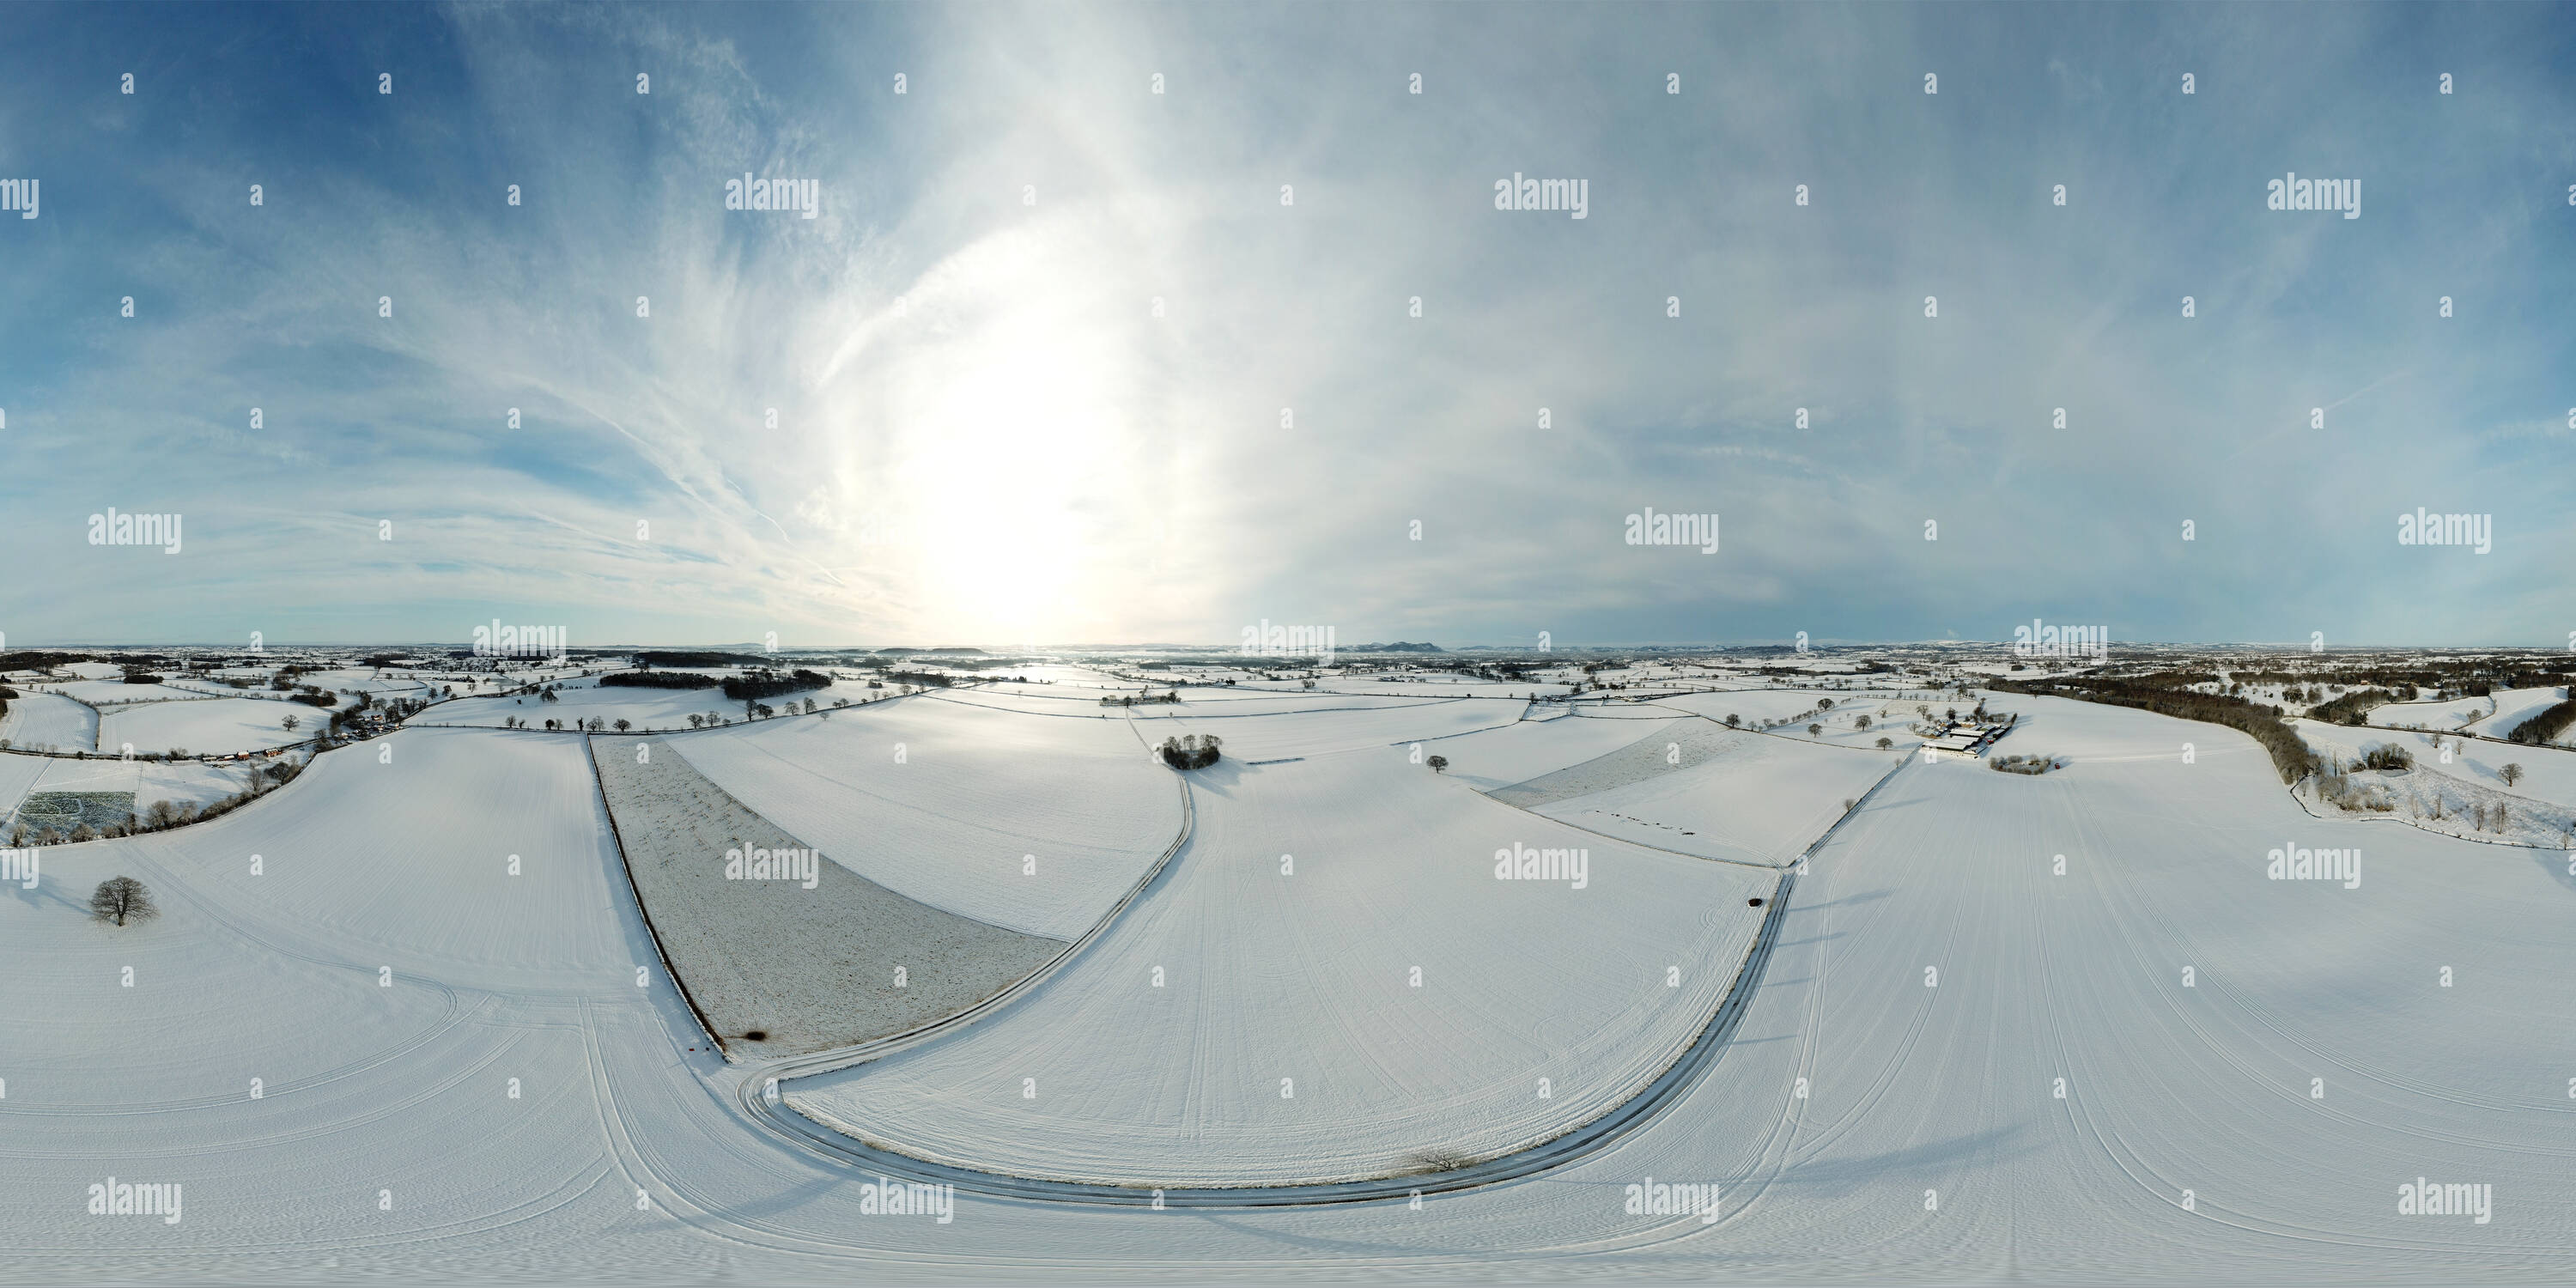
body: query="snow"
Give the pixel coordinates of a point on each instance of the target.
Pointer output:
(218, 726)
(2513, 706)
(977, 793)
(805, 968)
(49, 720)
(1326, 731)
(663, 709)
(1950, 1089)
(1496, 758)
(1747, 797)
(181, 783)
(1307, 977)
(2457, 713)
(108, 692)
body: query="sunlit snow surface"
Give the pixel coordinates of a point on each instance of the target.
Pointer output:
(386, 1143)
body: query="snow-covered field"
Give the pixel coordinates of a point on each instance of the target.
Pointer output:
(1496, 758)
(776, 965)
(1257, 1020)
(1740, 796)
(977, 799)
(2458, 713)
(219, 726)
(180, 783)
(2255, 1116)
(2513, 706)
(49, 721)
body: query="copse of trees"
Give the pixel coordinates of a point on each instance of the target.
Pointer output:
(2545, 727)
(2352, 708)
(1192, 751)
(769, 684)
(659, 680)
(682, 657)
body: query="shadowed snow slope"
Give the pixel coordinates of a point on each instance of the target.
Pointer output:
(976, 794)
(1286, 1040)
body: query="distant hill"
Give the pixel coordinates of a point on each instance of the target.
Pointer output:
(1398, 647)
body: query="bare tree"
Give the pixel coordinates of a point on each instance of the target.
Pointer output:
(623, 726)
(290, 722)
(2511, 774)
(1884, 744)
(119, 898)
(1438, 763)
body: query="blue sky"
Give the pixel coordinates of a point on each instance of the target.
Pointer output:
(985, 432)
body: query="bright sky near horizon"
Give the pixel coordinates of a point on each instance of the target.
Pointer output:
(1064, 358)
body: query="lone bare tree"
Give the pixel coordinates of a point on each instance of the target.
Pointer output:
(2511, 774)
(118, 898)
(1437, 763)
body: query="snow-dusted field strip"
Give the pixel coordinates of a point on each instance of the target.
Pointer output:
(1306, 976)
(2458, 713)
(1496, 758)
(104, 693)
(807, 969)
(1318, 733)
(209, 725)
(44, 721)
(976, 795)
(647, 709)
(1748, 798)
